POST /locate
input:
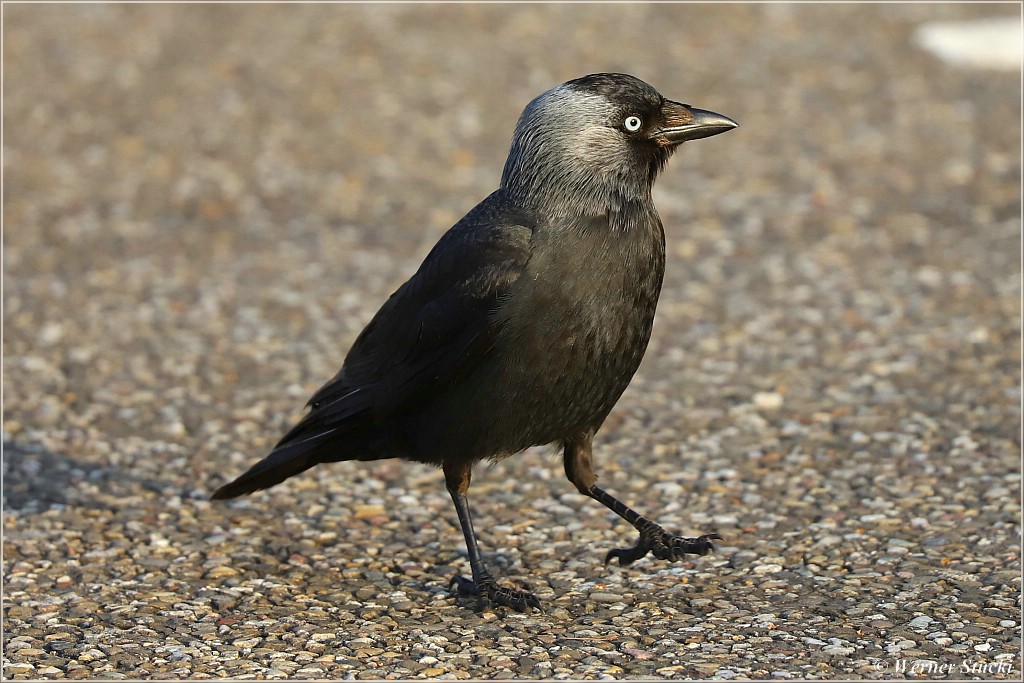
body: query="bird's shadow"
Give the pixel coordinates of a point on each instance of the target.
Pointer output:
(35, 479)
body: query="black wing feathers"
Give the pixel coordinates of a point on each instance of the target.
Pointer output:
(432, 331)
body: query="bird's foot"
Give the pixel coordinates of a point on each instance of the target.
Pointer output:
(663, 545)
(487, 589)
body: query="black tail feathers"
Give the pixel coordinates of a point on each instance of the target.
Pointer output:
(287, 460)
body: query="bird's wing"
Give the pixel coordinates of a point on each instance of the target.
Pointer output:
(433, 330)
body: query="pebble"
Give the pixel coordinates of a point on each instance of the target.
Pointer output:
(768, 400)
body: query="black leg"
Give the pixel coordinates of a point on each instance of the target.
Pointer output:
(653, 538)
(579, 468)
(483, 584)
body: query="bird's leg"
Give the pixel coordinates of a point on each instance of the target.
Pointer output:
(579, 468)
(653, 538)
(483, 585)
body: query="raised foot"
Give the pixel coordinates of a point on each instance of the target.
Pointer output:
(663, 545)
(488, 589)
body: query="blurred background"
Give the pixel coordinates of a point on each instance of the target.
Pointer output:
(204, 204)
(170, 168)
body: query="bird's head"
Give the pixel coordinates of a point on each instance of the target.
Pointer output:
(598, 141)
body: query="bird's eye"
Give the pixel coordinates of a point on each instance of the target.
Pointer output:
(632, 123)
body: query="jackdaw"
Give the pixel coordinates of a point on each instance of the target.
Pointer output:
(526, 321)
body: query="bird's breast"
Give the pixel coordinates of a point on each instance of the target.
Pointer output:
(580, 322)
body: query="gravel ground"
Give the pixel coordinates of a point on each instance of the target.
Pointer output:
(203, 206)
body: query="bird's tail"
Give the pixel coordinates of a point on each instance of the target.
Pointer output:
(335, 417)
(286, 460)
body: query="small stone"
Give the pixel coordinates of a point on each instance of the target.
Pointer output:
(767, 569)
(240, 643)
(768, 400)
(19, 667)
(366, 592)
(221, 572)
(369, 511)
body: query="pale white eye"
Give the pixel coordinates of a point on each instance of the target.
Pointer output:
(632, 123)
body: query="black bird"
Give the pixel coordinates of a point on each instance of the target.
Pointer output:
(524, 323)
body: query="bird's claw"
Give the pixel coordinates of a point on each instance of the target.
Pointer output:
(663, 545)
(487, 589)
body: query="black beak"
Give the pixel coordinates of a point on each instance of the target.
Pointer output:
(683, 122)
